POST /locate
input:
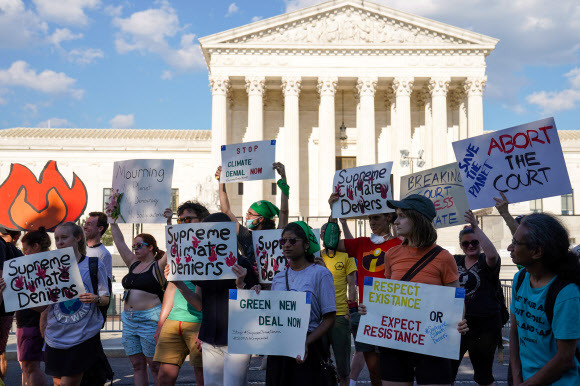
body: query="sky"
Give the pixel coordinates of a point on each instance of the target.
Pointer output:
(137, 64)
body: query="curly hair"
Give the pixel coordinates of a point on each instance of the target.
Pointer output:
(199, 210)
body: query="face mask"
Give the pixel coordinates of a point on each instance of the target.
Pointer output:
(376, 239)
(250, 223)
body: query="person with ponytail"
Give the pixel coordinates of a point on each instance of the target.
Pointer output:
(144, 289)
(545, 307)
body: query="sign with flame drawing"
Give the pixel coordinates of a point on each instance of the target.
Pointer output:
(41, 279)
(29, 203)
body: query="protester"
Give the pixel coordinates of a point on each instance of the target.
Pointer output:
(73, 344)
(479, 275)
(95, 227)
(343, 269)
(370, 259)
(8, 250)
(212, 297)
(260, 215)
(179, 322)
(545, 307)
(143, 297)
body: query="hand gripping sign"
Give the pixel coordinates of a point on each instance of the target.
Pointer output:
(524, 162)
(268, 323)
(248, 161)
(415, 317)
(41, 279)
(443, 186)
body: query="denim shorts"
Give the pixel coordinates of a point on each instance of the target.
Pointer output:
(139, 330)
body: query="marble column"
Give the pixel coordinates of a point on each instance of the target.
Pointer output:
(474, 88)
(291, 89)
(219, 85)
(326, 141)
(367, 155)
(428, 140)
(255, 86)
(402, 86)
(438, 88)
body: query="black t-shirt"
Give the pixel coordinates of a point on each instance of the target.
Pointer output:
(246, 244)
(7, 251)
(215, 300)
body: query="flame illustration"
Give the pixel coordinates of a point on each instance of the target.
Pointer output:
(349, 193)
(195, 242)
(359, 185)
(337, 189)
(275, 265)
(212, 256)
(29, 203)
(231, 260)
(384, 191)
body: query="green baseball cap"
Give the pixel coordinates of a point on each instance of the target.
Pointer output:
(265, 209)
(417, 202)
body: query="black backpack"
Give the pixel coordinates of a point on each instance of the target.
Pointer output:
(94, 272)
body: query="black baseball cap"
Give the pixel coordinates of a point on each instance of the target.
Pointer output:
(417, 202)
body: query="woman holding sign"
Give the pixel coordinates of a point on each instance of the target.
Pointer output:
(144, 285)
(299, 244)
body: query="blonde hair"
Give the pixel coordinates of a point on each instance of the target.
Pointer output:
(76, 232)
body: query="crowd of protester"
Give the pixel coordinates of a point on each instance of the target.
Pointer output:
(164, 322)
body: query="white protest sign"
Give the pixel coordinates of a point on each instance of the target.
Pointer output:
(524, 162)
(362, 190)
(443, 186)
(202, 251)
(41, 279)
(415, 317)
(248, 161)
(146, 188)
(269, 323)
(269, 253)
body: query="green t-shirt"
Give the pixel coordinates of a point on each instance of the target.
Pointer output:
(182, 311)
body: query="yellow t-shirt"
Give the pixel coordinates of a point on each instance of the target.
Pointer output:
(340, 266)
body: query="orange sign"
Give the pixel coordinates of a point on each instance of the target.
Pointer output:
(28, 204)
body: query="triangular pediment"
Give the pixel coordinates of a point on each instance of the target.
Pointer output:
(345, 23)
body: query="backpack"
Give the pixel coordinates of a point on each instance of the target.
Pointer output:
(94, 272)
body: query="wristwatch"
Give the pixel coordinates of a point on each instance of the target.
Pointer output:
(98, 299)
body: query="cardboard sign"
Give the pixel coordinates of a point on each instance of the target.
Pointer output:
(203, 251)
(443, 186)
(269, 252)
(413, 317)
(248, 161)
(41, 279)
(269, 323)
(146, 188)
(524, 162)
(29, 203)
(362, 190)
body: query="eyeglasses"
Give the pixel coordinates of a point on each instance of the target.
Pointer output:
(186, 220)
(139, 246)
(515, 242)
(291, 240)
(474, 243)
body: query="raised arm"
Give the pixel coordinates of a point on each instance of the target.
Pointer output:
(168, 214)
(283, 185)
(333, 198)
(491, 254)
(224, 200)
(501, 205)
(126, 254)
(345, 229)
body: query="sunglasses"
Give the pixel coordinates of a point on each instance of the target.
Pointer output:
(186, 220)
(291, 240)
(139, 246)
(474, 243)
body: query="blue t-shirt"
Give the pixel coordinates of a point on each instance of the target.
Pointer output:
(537, 340)
(315, 279)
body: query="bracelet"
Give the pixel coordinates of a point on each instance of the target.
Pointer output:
(98, 300)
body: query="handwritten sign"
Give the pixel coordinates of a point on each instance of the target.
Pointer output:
(269, 323)
(413, 317)
(146, 188)
(203, 251)
(269, 252)
(524, 162)
(362, 190)
(41, 279)
(443, 186)
(248, 161)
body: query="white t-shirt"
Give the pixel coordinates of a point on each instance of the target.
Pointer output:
(73, 322)
(104, 255)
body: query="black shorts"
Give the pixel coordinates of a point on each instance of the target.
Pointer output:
(403, 366)
(74, 360)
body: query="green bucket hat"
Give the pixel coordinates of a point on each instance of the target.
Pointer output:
(314, 243)
(265, 209)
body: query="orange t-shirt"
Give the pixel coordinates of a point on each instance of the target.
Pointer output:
(440, 271)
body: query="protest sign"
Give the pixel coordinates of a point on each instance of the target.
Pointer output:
(269, 253)
(524, 162)
(415, 317)
(362, 190)
(41, 279)
(248, 161)
(145, 185)
(202, 251)
(443, 186)
(268, 323)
